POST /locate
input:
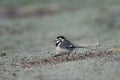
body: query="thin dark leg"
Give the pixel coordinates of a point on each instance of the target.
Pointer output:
(68, 56)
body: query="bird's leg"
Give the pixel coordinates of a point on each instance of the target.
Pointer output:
(68, 56)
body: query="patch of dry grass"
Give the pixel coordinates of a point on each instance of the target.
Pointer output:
(26, 62)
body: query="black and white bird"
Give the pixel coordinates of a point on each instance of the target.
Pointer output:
(64, 46)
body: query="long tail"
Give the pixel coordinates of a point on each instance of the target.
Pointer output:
(81, 47)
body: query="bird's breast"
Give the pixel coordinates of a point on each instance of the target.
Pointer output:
(62, 51)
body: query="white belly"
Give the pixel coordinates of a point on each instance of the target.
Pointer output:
(62, 51)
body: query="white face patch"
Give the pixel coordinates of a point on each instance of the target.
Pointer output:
(57, 41)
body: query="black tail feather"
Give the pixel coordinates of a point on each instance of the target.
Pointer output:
(81, 47)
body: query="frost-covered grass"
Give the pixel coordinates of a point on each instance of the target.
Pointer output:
(16, 66)
(26, 43)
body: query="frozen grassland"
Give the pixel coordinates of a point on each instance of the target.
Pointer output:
(26, 43)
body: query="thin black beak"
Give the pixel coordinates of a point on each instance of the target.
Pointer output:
(55, 40)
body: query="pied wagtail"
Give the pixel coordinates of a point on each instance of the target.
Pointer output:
(63, 46)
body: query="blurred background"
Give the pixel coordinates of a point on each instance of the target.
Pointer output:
(33, 24)
(28, 28)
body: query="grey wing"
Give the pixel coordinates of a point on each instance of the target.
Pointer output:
(68, 44)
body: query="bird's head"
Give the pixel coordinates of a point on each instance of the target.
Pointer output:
(59, 39)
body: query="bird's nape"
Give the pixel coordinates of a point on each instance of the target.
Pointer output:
(62, 37)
